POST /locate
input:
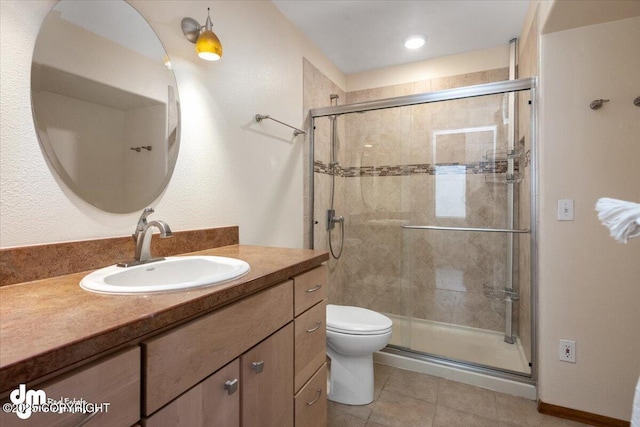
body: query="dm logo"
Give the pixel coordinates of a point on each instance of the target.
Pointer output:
(25, 400)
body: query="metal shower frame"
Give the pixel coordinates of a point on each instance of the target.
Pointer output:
(507, 86)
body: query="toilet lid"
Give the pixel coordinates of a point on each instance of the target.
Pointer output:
(356, 320)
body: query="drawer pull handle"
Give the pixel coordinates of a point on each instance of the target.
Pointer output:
(231, 386)
(87, 419)
(315, 328)
(316, 288)
(319, 391)
(257, 367)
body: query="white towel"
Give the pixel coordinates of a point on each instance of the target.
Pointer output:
(622, 218)
(635, 416)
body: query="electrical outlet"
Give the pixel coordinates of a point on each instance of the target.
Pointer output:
(567, 351)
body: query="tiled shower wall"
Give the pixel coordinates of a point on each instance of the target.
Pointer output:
(316, 93)
(413, 165)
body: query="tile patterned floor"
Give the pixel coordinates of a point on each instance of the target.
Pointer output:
(411, 399)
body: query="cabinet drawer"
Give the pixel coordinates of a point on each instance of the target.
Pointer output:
(310, 288)
(311, 401)
(310, 343)
(181, 358)
(208, 404)
(114, 380)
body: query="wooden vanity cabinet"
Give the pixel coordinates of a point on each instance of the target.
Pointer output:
(179, 359)
(251, 363)
(261, 379)
(113, 380)
(310, 291)
(251, 340)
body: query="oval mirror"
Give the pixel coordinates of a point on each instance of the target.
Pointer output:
(105, 104)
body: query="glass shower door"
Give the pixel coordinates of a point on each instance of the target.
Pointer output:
(461, 240)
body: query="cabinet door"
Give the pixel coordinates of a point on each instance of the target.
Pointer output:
(215, 402)
(267, 381)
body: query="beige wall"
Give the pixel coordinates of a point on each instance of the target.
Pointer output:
(453, 65)
(230, 170)
(589, 285)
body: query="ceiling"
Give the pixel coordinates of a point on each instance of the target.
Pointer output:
(362, 35)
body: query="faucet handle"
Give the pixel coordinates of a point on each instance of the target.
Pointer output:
(146, 212)
(142, 222)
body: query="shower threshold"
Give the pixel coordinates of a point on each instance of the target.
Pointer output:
(458, 372)
(459, 343)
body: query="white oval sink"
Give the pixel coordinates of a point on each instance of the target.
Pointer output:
(170, 274)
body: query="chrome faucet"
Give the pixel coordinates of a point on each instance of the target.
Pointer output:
(142, 237)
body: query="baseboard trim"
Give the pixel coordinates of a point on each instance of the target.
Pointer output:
(580, 416)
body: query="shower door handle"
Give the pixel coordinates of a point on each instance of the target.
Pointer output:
(485, 230)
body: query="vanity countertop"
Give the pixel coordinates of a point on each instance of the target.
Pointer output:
(51, 324)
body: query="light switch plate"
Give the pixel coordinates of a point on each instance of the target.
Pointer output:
(565, 210)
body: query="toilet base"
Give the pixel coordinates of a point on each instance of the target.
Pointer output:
(351, 379)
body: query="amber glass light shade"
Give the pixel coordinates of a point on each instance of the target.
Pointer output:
(208, 46)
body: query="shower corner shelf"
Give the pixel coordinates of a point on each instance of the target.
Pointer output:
(500, 294)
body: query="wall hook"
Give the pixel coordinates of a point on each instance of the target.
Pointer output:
(596, 104)
(144, 147)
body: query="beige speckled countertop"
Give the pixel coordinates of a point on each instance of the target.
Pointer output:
(49, 325)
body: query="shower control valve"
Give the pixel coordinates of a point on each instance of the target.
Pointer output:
(332, 219)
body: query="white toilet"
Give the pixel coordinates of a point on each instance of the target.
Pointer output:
(353, 334)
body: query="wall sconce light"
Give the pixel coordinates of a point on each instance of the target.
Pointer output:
(208, 45)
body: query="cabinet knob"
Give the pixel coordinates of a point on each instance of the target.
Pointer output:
(231, 386)
(257, 367)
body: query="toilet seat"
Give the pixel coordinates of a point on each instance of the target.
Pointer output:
(356, 321)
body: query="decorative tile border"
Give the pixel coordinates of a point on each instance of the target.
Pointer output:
(472, 168)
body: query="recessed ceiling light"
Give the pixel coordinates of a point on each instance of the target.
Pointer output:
(415, 41)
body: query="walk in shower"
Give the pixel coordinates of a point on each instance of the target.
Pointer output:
(436, 191)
